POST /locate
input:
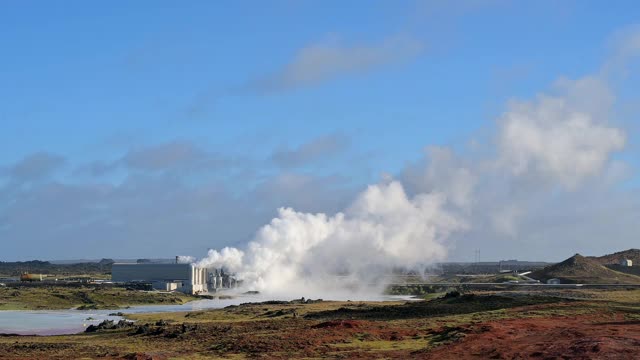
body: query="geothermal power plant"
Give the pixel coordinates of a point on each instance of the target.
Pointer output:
(187, 278)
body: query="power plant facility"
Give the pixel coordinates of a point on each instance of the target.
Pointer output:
(186, 278)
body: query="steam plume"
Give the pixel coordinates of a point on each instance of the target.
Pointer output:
(382, 228)
(552, 144)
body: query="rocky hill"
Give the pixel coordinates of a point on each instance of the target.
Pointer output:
(45, 267)
(616, 258)
(582, 270)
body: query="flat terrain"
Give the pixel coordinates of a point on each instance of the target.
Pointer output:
(559, 324)
(86, 297)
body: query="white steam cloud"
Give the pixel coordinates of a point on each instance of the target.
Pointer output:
(555, 143)
(185, 259)
(383, 228)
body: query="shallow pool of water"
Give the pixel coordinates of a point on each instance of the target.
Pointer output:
(59, 322)
(49, 322)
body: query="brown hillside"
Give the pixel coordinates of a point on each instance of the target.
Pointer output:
(581, 270)
(616, 258)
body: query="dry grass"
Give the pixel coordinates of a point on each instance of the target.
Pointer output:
(53, 298)
(318, 330)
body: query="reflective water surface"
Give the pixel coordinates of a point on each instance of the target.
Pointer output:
(58, 322)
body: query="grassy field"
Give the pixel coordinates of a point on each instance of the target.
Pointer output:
(479, 325)
(53, 298)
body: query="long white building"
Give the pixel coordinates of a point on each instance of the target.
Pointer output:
(182, 277)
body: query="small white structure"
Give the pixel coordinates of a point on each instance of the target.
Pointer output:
(626, 262)
(168, 285)
(554, 281)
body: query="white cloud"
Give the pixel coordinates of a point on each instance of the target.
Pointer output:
(557, 140)
(171, 155)
(331, 58)
(551, 157)
(625, 46)
(34, 166)
(323, 147)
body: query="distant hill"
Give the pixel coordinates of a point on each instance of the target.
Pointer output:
(616, 258)
(88, 261)
(582, 270)
(47, 268)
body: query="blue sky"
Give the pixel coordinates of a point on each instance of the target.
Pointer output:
(259, 100)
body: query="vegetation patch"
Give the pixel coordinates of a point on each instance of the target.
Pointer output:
(560, 324)
(447, 305)
(84, 298)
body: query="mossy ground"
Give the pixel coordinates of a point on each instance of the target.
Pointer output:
(90, 297)
(329, 329)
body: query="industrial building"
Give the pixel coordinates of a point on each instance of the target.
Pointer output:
(626, 262)
(186, 278)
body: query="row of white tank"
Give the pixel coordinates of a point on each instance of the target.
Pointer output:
(218, 279)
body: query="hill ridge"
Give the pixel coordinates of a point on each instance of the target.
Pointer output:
(632, 254)
(585, 270)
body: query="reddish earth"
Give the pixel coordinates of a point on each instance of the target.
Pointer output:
(349, 324)
(583, 337)
(605, 332)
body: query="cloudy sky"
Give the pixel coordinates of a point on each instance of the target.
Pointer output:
(157, 128)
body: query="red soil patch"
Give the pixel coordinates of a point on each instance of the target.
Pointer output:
(143, 356)
(348, 324)
(582, 337)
